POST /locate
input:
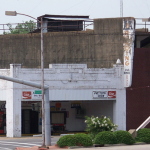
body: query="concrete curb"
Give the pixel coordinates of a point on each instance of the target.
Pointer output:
(76, 147)
(40, 148)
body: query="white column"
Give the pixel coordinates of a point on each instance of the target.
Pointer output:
(119, 108)
(13, 104)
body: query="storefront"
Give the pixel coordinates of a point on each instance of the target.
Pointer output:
(66, 116)
(75, 91)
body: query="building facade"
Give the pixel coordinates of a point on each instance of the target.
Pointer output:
(110, 39)
(75, 91)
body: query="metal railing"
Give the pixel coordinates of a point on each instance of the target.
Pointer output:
(87, 24)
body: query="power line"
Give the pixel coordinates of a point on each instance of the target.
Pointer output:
(72, 6)
(91, 5)
(121, 8)
(135, 3)
(37, 4)
(147, 5)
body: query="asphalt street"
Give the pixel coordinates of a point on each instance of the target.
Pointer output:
(12, 143)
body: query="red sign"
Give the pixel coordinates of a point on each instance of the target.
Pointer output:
(58, 105)
(26, 95)
(111, 94)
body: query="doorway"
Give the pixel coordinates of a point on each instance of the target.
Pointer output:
(58, 121)
(29, 121)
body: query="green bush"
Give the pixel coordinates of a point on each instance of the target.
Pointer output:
(143, 135)
(79, 139)
(83, 140)
(99, 124)
(105, 137)
(124, 137)
(67, 140)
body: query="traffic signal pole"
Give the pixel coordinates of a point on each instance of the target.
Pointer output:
(46, 104)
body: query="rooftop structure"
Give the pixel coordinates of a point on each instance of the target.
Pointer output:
(55, 23)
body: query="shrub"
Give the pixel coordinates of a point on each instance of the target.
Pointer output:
(105, 137)
(143, 135)
(124, 137)
(96, 125)
(83, 140)
(67, 140)
(79, 139)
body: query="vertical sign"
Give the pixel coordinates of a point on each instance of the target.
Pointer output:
(128, 47)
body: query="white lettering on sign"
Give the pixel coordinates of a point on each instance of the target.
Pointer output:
(128, 47)
(26, 95)
(111, 94)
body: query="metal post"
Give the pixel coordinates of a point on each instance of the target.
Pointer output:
(47, 118)
(20, 81)
(47, 127)
(42, 86)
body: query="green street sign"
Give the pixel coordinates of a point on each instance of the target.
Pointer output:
(37, 92)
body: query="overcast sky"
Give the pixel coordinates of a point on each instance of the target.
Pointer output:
(93, 8)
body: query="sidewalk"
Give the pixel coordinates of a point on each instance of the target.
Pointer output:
(141, 146)
(40, 148)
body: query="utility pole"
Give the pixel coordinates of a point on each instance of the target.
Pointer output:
(47, 126)
(121, 8)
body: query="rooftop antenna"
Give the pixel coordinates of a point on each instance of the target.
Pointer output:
(121, 8)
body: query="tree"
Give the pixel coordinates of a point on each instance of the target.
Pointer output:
(21, 28)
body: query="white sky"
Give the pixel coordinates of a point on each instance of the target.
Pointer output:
(93, 8)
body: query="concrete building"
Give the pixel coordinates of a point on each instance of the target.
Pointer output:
(111, 38)
(75, 92)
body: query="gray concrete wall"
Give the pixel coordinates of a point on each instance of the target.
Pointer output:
(108, 41)
(98, 48)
